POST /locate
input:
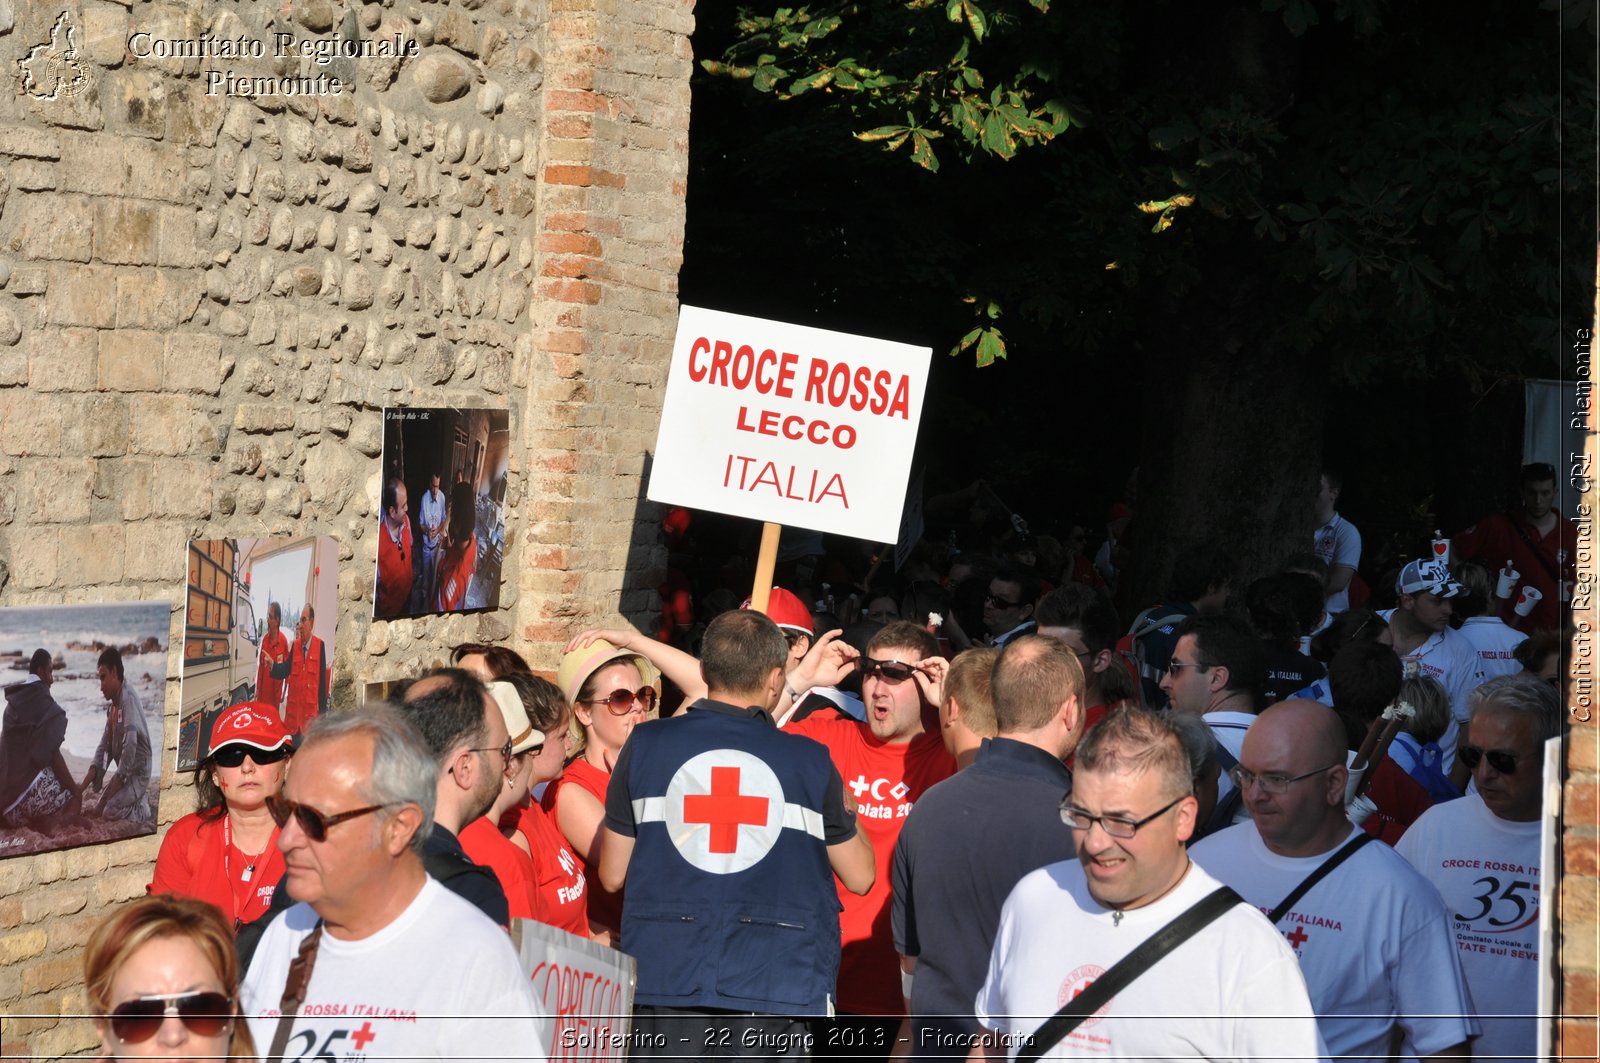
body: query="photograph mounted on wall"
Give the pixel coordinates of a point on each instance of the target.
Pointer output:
(81, 733)
(258, 626)
(441, 520)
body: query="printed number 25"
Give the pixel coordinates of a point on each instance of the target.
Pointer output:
(1493, 894)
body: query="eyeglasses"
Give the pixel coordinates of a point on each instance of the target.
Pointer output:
(999, 602)
(1175, 666)
(504, 751)
(314, 823)
(1271, 784)
(620, 701)
(232, 756)
(888, 671)
(205, 1013)
(1501, 761)
(1115, 826)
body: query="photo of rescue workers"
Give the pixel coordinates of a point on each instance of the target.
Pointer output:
(441, 520)
(258, 626)
(84, 695)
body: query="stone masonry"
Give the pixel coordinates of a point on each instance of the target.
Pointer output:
(207, 299)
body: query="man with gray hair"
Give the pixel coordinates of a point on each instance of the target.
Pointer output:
(398, 966)
(1482, 854)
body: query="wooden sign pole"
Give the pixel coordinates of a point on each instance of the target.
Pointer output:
(766, 562)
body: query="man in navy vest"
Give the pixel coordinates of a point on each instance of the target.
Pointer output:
(727, 833)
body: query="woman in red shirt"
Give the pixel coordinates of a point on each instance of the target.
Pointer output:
(227, 853)
(460, 552)
(611, 691)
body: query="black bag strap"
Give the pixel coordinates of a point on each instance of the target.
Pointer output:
(1323, 870)
(1200, 915)
(1533, 548)
(294, 991)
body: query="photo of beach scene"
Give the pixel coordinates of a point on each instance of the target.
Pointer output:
(81, 733)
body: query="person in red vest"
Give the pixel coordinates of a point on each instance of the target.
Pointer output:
(395, 553)
(274, 653)
(460, 557)
(307, 672)
(1540, 543)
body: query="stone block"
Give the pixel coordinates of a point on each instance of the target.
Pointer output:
(81, 295)
(125, 231)
(34, 564)
(181, 489)
(164, 425)
(91, 554)
(62, 360)
(49, 226)
(193, 363)
(155, 299)
(130, 360)
(178, 242)
(29, 142)
(100, 430)
(58, 491)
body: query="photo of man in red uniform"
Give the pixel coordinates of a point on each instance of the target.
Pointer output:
(1540, 543)
(307, 673)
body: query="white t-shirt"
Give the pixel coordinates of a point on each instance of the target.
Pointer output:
(1373, 940)
(1494, 640)
(1487, 869)
(1448, 657)
(1232, 991)
(1338, 543)
(440, 982)
(1229, 729)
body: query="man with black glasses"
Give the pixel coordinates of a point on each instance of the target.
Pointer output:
(886, 764)
(1008, 607)
(399, 966)
(1483, 854)
(1232, 990)
(467, 735)
(1373, 937)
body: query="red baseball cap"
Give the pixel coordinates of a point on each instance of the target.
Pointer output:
(249, 723)
(785, 609)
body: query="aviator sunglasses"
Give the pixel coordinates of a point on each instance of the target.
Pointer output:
(233, 756)
(204, 1013)
(314, 823)
(1501, 761)
(620, 701)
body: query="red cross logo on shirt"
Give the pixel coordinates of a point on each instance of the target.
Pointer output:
(725, 809)
(363, 1035)
(1297, 938)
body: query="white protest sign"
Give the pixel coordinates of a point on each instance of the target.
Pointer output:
(794, 425)
(586, 991)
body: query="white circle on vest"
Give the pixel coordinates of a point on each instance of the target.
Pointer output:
(724, 810)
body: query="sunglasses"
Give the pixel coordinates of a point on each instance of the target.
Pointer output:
(620, 701)
(1501, 761)
(205, 1014)
(314, 823)
(889, 671)
(1000, 603)
(233, 756)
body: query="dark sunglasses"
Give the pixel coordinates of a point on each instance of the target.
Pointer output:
(205, 1013)
(1000, 603)
(620, 701)
(1501, 761)
(314, 823)
(233, 756)
(889, 671)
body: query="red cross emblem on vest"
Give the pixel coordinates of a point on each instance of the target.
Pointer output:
(724, 808)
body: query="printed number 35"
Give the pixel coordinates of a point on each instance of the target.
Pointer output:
(1491, 896)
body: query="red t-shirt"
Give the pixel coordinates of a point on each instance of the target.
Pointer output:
(274, 650)
(605, 907)
(559, 887)
(455, 575)
(394, 569)
(1507, 536)
(886, 781)
(482, 841)
(197, 859)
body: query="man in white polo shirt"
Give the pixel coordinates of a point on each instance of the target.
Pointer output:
(1426, 643)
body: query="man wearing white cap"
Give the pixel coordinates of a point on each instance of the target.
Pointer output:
(481, 838)
(1427, 645)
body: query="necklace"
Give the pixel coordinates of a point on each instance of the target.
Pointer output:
(1116, 916)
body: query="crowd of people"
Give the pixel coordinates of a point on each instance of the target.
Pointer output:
(965, 811)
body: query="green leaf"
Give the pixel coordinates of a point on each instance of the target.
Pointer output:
(966, 341)
(922, 152)
(883, 132)
(977, 21)
(991, 347)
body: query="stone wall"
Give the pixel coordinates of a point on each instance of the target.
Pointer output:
(207, 300)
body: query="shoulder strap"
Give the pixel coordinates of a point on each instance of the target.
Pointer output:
(294, 991)
(1125, 970)
(1533, 547)
(1323, 870)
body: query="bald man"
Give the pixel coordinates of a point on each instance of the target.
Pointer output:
(1373, 936)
